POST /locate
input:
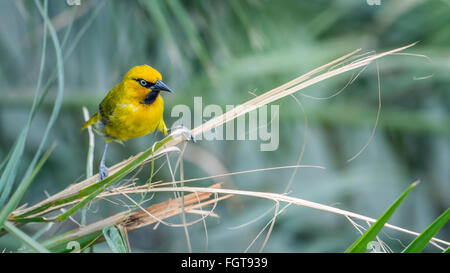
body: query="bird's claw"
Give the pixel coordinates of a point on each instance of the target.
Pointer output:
(102, 173)
(185, 132)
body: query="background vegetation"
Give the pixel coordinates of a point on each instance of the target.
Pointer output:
(224, 51)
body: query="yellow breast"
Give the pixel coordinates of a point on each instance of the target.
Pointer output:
(132, 118)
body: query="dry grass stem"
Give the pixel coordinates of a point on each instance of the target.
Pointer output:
(134, 220)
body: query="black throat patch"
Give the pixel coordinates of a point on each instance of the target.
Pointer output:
(151, 97)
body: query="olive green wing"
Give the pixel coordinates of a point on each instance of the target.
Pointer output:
(108, 105)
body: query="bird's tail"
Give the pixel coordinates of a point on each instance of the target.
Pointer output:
(91, 121)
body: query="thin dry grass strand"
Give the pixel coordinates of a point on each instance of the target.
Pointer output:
(183, 214)
(132, 221)
(349, 82)
(357, 226)
(352, 59)
(256, 219)
(398, 240)
(159, 220)
(352, 79)
(259, 233)
(438, 246)
(265, 98)
(159, 184)
(203, 212)
(421, 56)
(179, 163)
(385, 247)
(374, 128)
(181, 198)
(208, 213)
(172, 175)
(279, 92)
(272, 223)
(302, 151)
(240, 172)
(154, 173)
(216, 199)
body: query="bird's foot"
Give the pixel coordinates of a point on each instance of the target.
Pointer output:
(185, 132)
(102, 172)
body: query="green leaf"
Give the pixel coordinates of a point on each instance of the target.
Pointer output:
(60, 90)
(73, 244)
(116, 239)
(33, 244)
(13, 160)
(18, 194)
(360, 245)
(422, 240)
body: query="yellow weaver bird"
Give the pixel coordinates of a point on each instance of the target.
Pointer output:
(133, 108)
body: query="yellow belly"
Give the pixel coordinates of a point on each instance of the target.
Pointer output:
(135, 120)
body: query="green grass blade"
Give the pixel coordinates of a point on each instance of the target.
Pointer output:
(63, 243)
(68, 52)
(9, 175)
(60, 91)
(18, 194)
(36, 105)
(447, 250)
(115, 239)
(33, 244)
(5, 160)
(360, 245)
(422, 240)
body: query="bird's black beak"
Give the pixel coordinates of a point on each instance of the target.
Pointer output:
(160, 86)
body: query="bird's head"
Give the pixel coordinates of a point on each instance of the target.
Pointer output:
(144, 79)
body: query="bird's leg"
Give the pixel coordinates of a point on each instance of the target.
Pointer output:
(102, 170)
(185, 132)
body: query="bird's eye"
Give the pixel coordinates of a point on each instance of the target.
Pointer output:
(144, 83)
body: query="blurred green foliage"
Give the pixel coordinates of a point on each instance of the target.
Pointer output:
(224, 51)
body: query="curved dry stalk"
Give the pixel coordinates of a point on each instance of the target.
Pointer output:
(421, 56)
(271, 222)
(287, 199)
(374, 128)
(236, 173)
(302, 150)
